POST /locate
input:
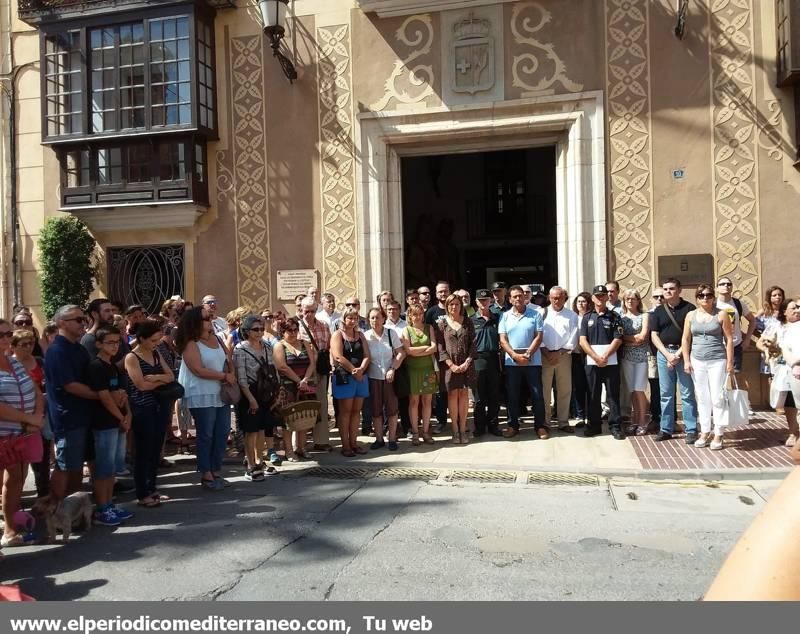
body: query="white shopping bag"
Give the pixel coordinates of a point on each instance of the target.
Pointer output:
(735, 405)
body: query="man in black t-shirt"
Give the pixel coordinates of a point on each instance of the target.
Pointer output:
(666, 328)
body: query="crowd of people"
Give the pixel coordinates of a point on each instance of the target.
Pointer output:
(104, 386)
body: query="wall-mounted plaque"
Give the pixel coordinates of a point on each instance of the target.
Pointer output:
(691, 270)
(292, 283)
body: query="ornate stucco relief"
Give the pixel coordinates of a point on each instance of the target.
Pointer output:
(630, 132)
(241, 173)
(338, 165)
(411, 81)
(735, 147)
(540, 63)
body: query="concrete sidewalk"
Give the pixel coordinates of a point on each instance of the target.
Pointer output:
(752, 452)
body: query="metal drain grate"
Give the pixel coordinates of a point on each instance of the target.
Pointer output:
(571, 479)
(339, 473)
(482, 476)
(402, 473)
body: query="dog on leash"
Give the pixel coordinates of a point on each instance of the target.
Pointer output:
(74, 511)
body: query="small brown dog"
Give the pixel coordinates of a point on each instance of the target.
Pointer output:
(74, 511)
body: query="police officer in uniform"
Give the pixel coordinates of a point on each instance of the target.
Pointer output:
(600, 339)
(500, 296)
(487, 365)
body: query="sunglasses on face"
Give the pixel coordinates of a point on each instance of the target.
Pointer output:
(266, 317)
(211, 303)
(24, 323)
(425, 293)
(352, 305)
(705, 296)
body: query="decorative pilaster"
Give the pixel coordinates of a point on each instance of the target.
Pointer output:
(338, 164)
(630, 136)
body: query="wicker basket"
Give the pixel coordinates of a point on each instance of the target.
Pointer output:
(300, 416)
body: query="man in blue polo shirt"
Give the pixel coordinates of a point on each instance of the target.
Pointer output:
(68, 399)
(520, 337)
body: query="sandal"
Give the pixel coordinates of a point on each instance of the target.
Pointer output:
(456, 440)
(415, 440)
(359, 450)
(464, 438)
(428, 440)
(348, 453)
(151, 502)
(641, 430)
(208, 485)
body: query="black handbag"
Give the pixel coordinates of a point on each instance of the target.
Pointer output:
(323, 366)
(402, 384)
(169, 392)
(265, 388)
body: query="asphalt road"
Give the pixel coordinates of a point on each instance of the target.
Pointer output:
(296, 537)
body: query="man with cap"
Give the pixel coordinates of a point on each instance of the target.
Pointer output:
(487, 365)
(501, 304)
(600, 339)
(520, 332)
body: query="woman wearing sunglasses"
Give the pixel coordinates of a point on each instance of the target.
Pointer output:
(707, 348)
(295, 361)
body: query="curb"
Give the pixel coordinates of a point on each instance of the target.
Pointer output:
(710, 475)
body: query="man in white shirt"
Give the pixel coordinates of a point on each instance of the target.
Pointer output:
(736, 310)
(219, 324)
(560, 334)
(393, 319)
(614, 302)
(327, 312)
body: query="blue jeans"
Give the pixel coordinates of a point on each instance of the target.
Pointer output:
(106, 442)
(122, 451)
(532, 376)
(667, 379)
(213, 425)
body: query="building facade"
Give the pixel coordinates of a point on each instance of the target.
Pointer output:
(531, 140)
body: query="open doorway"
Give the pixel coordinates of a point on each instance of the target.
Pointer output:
(479, 217)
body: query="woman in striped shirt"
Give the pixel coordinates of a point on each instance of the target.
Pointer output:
(21, 411)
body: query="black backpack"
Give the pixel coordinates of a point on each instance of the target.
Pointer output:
(265, 389)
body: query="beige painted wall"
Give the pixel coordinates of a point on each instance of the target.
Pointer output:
(268, 170)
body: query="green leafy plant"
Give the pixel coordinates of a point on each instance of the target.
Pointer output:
(67, 263)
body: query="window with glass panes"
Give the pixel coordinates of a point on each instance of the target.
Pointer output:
(170, 72)
(63, 75)
(205, 75)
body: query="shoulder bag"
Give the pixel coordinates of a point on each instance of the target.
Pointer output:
(735, 405)
(671, 316)
(402, 386)
(323, 366)
(230, 393)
